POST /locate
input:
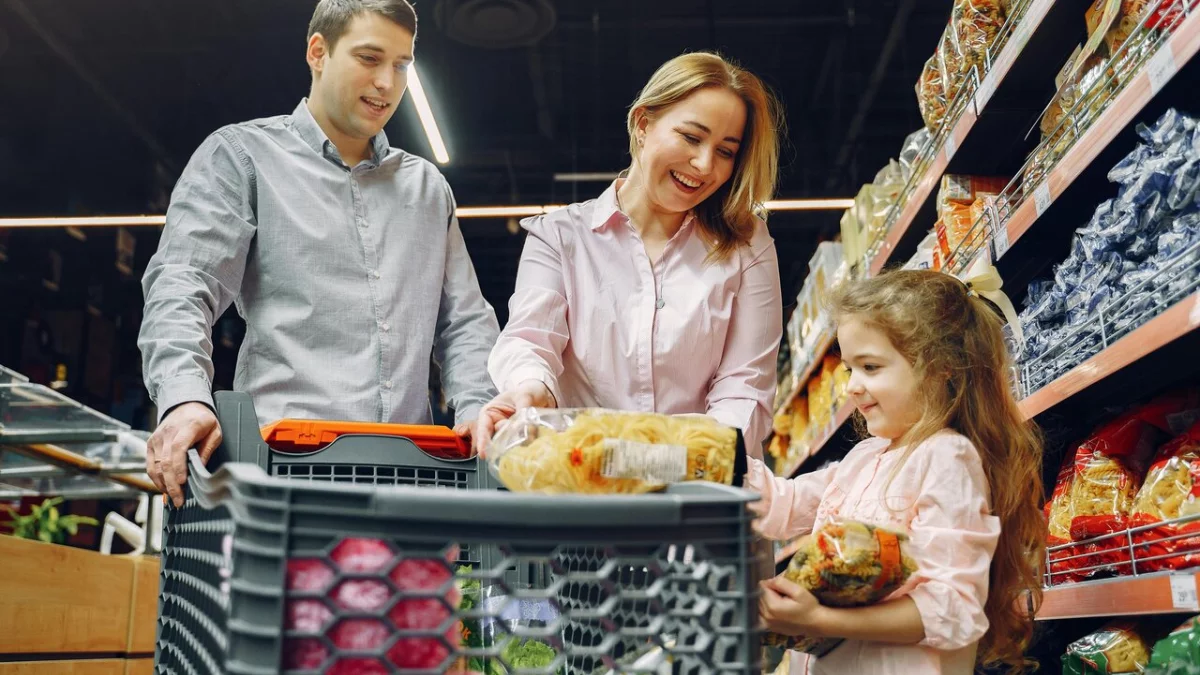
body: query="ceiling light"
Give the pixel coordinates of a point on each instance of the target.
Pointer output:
(426, 114)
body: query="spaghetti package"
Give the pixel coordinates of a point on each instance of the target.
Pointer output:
(846, 564)
(1171, 491)
(593, 451)
(1116, 648)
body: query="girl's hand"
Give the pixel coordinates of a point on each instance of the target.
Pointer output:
(788, 608)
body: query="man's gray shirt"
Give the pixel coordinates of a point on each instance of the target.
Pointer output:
(348, 279)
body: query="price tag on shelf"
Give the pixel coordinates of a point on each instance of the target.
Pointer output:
(1000, 243)
(1161, 68)
(951, 146)
(984, 94)
(1041, 198)
(1183, 592)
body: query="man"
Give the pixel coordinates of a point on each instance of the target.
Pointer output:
(342, 254)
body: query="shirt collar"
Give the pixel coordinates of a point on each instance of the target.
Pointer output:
(607, 210)
(313, 135)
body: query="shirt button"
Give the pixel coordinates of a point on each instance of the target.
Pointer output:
(388, 384)
(376, 273)
(386, 326)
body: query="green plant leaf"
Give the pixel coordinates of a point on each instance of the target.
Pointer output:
(71, 527)
(45, 536)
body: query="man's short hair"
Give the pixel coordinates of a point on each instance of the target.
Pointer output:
(332, 18)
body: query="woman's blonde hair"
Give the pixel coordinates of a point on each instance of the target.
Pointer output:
(955, 343)
(728, 216)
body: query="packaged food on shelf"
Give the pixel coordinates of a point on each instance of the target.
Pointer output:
(963, 189)
(592, 451)
(1059, 512)
(1149, 232)
(958, 214)
(820, 399)
(910, 152)
(1171, 491)
(931, 94)
(1179, 652)
(778, 448)
(846, 564)
(977, 24)
(1119, 647)
(800, 418)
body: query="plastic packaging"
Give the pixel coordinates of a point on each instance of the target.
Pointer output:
(1116, 648)
(976, 23)
(1179, 652)
(913, 144)
(846, 564)
(593, 451)
(931, 94)
(1171, 491)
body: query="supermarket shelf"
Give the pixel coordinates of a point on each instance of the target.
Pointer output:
(1129, 102)
(1038, 30)
(840, 418)
(1178, 321)
(1128, 596)
(823, 345)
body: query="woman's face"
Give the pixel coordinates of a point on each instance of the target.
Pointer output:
(689, 150)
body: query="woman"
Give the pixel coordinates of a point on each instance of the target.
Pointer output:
(662, 295)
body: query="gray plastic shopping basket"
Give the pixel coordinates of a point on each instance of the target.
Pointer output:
(262, 574)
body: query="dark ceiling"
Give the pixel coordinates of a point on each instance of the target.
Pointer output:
(103, 102)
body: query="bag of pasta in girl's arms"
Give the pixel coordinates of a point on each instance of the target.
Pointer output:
(594, 451)
(846, 564)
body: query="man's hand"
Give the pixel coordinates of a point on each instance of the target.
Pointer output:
(189, 425)
(528, 394)
(788, 608)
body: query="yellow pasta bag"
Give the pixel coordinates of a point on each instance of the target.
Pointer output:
(1171, 491)
(594, 451)
(846, 564)
(1116, 648)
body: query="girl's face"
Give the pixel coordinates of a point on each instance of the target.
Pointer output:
(883, 384)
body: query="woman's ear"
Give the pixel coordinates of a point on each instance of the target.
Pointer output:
(641, 123)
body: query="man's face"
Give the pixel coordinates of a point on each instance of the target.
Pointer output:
(359, 83)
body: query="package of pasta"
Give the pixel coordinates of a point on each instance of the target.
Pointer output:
(1058, 520)
(976, 23)
(595, 451)
(1110, 466)
(1117, 648)
(1171, 491)
(846, 564)
(931, 94)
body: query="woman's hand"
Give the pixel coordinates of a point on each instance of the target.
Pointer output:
(788, 608)
(528, 394)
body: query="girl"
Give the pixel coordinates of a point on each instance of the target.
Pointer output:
(662, 295)
(949, 460)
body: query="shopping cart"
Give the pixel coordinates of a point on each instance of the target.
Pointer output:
(362, 569)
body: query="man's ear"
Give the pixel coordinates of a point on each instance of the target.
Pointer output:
(317, 52)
